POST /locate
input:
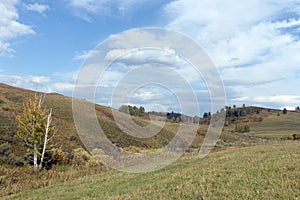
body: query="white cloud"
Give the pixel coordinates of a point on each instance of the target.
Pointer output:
(86, 8)
(255, 44)
(160, 61)
(10, 28)
(6, 50)
(62, 87)
(63, 82)
(145, 95)
(277, 101)
(142, 56)
(40, 8)
(85, 54)
(38, 83)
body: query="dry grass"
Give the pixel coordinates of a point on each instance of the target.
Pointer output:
(269, 171)
(19, 179)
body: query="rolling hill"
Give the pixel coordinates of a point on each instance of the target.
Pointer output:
(11, 99)
(265, 125)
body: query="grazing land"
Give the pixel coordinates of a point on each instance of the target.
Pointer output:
(267, 171)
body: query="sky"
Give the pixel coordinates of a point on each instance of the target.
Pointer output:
(254, 45)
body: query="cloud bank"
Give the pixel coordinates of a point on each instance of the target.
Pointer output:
(254, 44)
(10, 27)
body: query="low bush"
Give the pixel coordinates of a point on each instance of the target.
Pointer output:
(296, 136)
(2, 180)
(6, 108)
(242, 128)
(287, 137)
(98, 152)
(58, 156)
(8, 157)
(133, 149)
(81, 157)
(73, 138)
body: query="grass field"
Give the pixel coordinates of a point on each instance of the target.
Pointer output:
(271, 126)
(267, 171)
(275, 126)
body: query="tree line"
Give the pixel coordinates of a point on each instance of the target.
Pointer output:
(132, 110)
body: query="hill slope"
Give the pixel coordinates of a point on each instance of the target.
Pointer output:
(11, 99)
(269, 171)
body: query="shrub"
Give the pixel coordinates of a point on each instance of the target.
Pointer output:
(82, 158)
(99, 156)
(296, 136)
(6, 107)
(133, 149)
(284, 111)
(8, 157)
(220, 143)
(2, 180)
(73, 138)
(93, 162)
(58, 156)
(5, 149)
(287, 137)
(242, 128)
(98, 152)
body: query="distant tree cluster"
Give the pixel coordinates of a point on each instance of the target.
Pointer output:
(161, 114)
(132, 110)
(206, 115)
(177, 117)
(240, 112)
(174, 117)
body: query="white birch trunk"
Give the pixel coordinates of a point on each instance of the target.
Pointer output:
(35, 159)
(49, 119)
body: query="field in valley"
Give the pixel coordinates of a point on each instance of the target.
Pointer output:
(266, 171)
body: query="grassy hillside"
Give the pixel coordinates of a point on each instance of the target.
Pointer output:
(269, 171)
(269, 124)
(275, 126)
(11, 99)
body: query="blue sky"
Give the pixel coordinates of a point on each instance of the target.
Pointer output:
(255, 44)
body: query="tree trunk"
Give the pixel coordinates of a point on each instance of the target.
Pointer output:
(49, 119)
(35, 159)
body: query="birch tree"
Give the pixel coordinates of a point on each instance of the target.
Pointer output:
(36, 129)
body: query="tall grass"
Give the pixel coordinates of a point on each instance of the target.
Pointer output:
(269, 171)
